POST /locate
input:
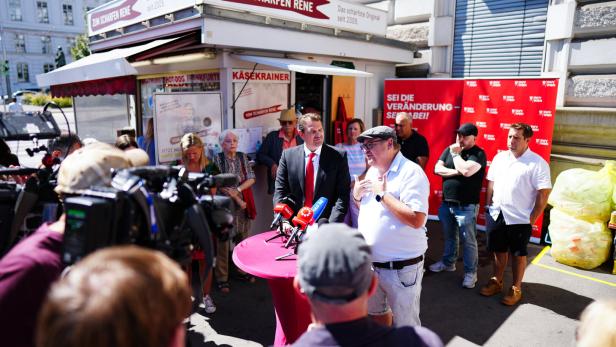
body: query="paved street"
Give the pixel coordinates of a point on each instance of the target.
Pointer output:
(547, 315)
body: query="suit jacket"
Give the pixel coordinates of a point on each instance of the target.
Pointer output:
(270, 152)
(333, 180)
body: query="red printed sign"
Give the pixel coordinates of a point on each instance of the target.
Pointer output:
(303, 7)
(122, 12)
(262, 111)
(493, 105)
(435, 108)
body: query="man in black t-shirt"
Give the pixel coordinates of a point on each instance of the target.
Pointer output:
(462, 166)
(412, 144)
(335, 274)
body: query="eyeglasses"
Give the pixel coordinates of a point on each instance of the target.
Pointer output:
(286, 122)
(368, 146)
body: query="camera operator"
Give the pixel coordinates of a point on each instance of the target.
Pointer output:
(64, 145)
(28, 270)
(117, 297)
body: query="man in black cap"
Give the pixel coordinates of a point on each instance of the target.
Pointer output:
(393, 201)
(334, 272)
(462, 166)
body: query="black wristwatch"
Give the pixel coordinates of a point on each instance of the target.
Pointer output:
(379, 197)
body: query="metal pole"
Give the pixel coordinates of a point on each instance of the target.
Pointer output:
(8, 75)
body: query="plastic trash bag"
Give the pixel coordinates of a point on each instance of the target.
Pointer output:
(579, 243)
(583, 194)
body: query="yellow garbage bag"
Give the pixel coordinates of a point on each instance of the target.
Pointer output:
(579, 243)
(583, 194)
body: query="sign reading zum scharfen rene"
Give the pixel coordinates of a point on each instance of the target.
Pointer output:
(326, 13)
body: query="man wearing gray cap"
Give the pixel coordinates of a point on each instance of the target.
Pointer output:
(462, 166)
(393, 201)
(334, 272)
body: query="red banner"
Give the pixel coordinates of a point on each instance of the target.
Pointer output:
(435, 108)
(493, 105)
(122, 12)
(303, 7)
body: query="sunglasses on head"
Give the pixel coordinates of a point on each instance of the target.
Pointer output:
(286, 122)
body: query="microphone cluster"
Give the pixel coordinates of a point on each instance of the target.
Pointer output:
(305, 217)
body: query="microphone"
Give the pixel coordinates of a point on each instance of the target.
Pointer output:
(301, 221)
(282, 210)
(317, 208)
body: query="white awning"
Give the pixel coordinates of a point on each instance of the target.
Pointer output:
(97, 66)
(304, 66)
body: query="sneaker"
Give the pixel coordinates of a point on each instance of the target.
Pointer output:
(439, 266)
(492, 288)
(513, 297)
(208, 304)
(470, 278)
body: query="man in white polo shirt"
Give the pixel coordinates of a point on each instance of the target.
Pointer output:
(518, 188)
(393, 201)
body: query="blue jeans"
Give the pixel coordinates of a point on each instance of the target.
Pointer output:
(459, 220)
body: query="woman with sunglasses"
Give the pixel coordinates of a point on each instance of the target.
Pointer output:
(357, 163)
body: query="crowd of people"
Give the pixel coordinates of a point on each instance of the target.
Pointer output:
(362, 274)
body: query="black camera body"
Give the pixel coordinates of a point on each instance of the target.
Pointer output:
(157, 207)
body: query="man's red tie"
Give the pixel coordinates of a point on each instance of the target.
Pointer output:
(309, 183)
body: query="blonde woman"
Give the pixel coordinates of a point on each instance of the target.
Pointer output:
(195, 160)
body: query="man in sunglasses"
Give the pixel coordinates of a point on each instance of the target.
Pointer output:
(277, 141)
(393, 201)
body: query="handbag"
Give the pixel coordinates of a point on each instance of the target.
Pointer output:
(247, 195)
(249, 198)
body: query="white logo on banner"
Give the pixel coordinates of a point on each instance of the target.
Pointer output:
(548, 83)
(495, 84)
(542, 142)
(471, 84)
(481, 124)
(489, 137)
(505, 125)
(545, 113)
(469, 109)
(484, 97)
(509, 98)
(517, 111)
(492, 110)
(535, 99)
(520, 83)
(535, 128)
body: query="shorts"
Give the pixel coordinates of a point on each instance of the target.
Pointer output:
(507, 238)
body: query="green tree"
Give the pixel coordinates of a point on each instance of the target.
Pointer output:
(81, 48)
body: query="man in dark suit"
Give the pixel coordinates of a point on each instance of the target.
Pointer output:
(314, 170)
(277, 141)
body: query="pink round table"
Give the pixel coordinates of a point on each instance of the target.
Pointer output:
(257, 257)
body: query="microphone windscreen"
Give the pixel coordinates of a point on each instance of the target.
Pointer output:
(319, 207)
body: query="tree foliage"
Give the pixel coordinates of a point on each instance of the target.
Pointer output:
(81, 48)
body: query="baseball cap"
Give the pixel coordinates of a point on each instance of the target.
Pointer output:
(467, 129)
(90, 166)
(381, 132)
(334, 264)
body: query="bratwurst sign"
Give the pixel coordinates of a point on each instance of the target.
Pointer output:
(326, 13)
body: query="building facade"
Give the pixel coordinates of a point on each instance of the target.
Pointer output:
(31, 32)
(568, 39)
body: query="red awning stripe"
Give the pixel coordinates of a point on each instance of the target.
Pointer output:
(106, 86)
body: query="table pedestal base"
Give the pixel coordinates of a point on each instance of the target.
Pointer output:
(292, 311)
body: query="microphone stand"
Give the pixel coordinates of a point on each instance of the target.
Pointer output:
(280, 233)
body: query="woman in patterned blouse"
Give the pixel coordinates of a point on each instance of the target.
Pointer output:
(232, 161)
